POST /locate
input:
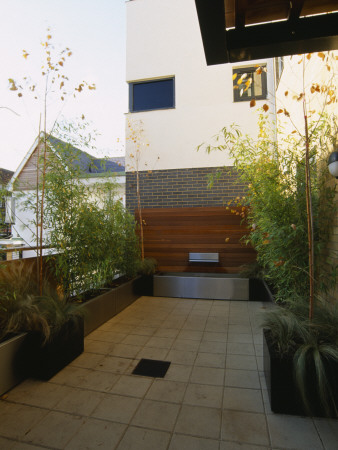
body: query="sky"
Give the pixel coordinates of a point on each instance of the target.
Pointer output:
(94, 31)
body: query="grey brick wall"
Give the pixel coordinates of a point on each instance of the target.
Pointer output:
(177, 188)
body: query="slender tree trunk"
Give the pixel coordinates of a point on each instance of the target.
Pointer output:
(37, 209)
(43, 185)
(140, 212)
(309, 211)
(41, 211)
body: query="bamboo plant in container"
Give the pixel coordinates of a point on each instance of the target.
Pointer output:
(290, 209)
(301, 358)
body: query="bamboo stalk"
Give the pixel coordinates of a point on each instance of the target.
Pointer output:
(309, 211)
(37, 206)
(43, 184)
(140, 212)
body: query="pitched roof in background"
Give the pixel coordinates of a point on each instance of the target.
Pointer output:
(119, 160)
(5, 176)
(85, 162)
(25, 175)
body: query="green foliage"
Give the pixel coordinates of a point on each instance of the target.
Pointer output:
(23, 308)
(3, 226)
(54, 87)
(311, 343)
(147, 266)
(253, 270)
(290, 211)
(276, 200)
(91, 234)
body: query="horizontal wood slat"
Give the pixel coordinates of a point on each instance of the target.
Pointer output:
(31, 267)
(171, 233)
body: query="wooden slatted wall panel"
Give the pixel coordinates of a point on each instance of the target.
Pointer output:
(171, 233)
(26, 179)
(29, 266)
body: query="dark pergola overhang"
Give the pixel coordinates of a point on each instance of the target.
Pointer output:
(243, 30)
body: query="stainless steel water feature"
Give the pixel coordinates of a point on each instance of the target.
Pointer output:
(215, 286)
(204, 257)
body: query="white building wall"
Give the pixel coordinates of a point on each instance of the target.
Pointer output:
(163, 40)
(24, 227)
(298, 76)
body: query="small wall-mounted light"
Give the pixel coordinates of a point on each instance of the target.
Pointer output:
(333, 164)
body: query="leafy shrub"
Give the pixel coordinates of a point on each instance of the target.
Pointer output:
(276, 210)
(92, 235)
(147, 266)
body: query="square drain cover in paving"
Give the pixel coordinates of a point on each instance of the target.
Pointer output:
(151, 368)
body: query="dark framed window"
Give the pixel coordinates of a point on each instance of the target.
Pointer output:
(152, 94)
(249, 83)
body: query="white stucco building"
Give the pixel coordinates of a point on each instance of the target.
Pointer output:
(181, 103)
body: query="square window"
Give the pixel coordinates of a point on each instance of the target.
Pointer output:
(249, 84)
(152, 94)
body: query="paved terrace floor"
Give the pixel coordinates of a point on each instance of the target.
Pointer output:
(213, 396)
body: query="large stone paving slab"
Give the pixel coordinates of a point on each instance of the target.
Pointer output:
(213, 396)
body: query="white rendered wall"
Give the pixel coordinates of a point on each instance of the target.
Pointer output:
(24, 227)
(164, 39)
(299, 74)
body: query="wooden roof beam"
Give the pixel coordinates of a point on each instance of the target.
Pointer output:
(240, 8)
(310, 34)
(296, 7)
(296, 34)
(211, 17)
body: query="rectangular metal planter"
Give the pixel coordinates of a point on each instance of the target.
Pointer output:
(259, 291)
(125, 295)
(214, 286)
(283, 393)
(43, 360)
(97, 311)
(105, 306)
(10, 375)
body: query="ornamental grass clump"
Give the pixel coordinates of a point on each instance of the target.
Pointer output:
(23, 308)
(312, 345)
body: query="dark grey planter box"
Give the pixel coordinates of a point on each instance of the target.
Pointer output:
(105, 306)
(23, 356)
(10, 376)
(283, 393)
(97, 311)
(44, 360)
(259, 291)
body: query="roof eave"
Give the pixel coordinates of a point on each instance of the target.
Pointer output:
(301, 35)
